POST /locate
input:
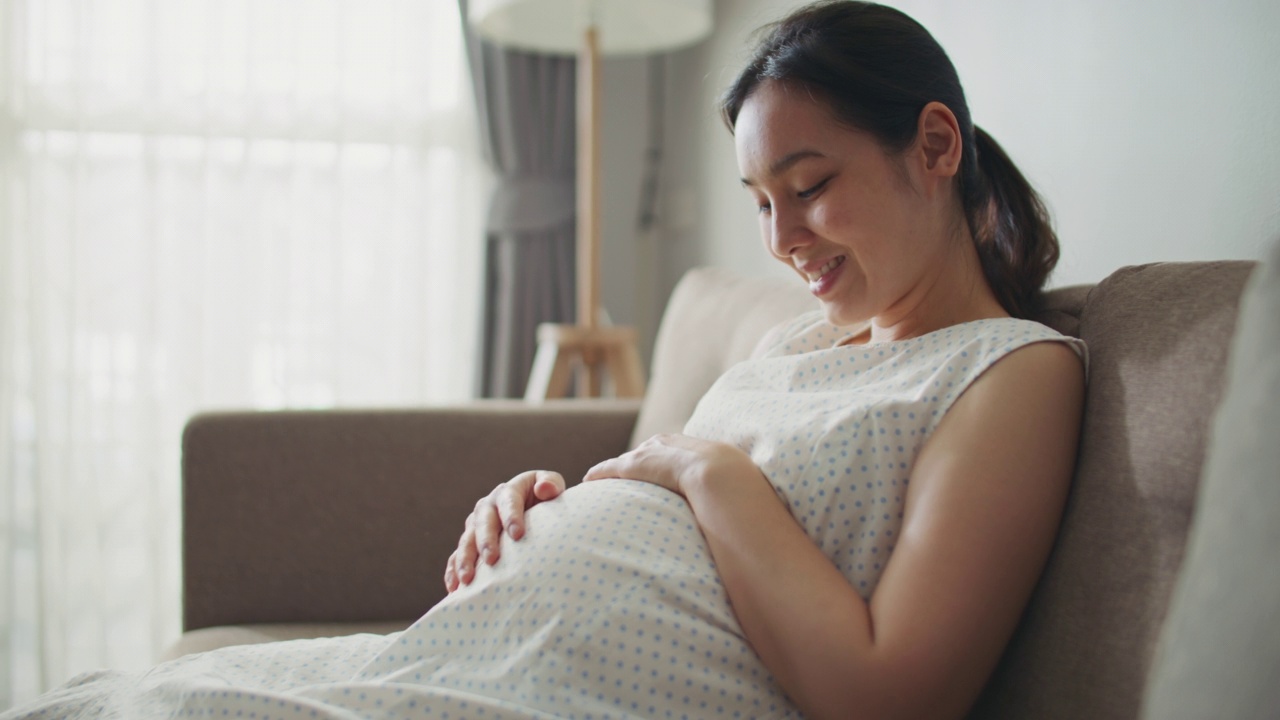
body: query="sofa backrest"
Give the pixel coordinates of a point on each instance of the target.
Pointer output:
(1158, 337)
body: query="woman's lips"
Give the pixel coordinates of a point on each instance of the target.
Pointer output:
(824, 279)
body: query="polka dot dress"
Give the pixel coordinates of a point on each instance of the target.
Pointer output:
(611, 606)
(836, 428)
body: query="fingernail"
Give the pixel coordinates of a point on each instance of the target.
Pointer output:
(513, 530)
(486, 554)
(464, 570)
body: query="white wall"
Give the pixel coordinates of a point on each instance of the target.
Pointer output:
(1151, 128)
(624, 134)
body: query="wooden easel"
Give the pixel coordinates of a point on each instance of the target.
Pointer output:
(586, 346)
(565, 348)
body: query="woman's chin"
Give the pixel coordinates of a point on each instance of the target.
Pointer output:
(844, 315)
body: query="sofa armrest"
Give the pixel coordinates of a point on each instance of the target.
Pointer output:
(337, 516)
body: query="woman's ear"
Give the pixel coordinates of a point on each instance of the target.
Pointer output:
(941, 142)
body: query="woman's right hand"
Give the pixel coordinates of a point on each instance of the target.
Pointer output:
(502, 509)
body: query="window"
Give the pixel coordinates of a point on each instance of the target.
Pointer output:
(206, 204)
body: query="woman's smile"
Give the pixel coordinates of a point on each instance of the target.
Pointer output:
(823, 279)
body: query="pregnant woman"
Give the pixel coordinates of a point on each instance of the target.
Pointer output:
(876, 492)
(852, 521)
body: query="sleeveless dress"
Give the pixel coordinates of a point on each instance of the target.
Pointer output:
(611, 606)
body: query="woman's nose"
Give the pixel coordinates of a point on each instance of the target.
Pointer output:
(787, 232)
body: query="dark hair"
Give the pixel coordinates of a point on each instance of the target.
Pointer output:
(876, 68)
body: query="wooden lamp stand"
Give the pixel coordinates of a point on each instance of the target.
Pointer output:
(586, 346)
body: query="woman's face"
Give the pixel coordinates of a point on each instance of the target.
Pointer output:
(848, 218)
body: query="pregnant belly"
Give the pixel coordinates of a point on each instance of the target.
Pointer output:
(613, 541)
(609, 604)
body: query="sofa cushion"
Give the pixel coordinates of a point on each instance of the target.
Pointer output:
(1158, 337)
(713, 319)
(350, 515)
(1220, 648)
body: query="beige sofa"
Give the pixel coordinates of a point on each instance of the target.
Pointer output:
(313, 523)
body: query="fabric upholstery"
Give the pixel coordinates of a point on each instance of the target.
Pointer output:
(1220, 648)
(1158, 337)
(339, 516)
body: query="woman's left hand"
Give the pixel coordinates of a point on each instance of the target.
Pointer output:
(676, 462)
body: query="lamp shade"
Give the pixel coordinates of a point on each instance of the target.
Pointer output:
(624, 26)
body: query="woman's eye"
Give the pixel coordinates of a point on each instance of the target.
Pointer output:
(764, 208)
(806, 194)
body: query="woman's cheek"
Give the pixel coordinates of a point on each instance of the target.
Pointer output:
(830, 214)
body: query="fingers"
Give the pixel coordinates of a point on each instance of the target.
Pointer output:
(619, 467)
(549, 485)
(460, 568)
(629, 463)
(451, 582)
(504, 507)
(487, 526)
(598, 471)
(510, 498)
(522, 492)
(662, 460)
(463, 559)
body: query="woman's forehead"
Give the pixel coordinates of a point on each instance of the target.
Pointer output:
(776, 117)
(780, 125)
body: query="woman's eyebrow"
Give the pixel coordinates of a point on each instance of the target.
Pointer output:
(785, 162)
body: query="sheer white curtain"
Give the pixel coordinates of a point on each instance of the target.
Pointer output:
(203, 204)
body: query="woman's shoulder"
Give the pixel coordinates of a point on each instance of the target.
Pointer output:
(997, 337)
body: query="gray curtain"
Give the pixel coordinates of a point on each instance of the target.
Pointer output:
(525, 103)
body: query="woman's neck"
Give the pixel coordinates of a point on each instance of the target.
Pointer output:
(956, 291)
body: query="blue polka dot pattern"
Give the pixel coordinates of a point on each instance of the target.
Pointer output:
(836, 427)
(611, 606)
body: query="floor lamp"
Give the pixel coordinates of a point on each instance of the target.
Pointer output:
(589, 28)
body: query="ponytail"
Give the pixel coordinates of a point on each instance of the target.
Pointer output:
(1011, 229)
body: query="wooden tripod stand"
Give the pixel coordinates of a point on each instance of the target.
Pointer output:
(564, 348)
(587, 345)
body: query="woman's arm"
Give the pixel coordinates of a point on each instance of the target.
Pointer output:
(982, 510)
